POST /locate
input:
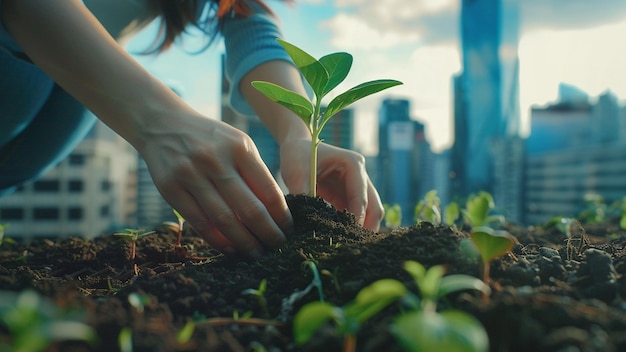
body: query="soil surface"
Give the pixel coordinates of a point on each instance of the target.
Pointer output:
(551, 293)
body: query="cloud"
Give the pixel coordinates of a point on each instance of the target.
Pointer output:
(570, 14)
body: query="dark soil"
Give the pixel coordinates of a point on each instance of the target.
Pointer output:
(551, 293)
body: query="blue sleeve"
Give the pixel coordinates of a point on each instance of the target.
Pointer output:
(249, 42)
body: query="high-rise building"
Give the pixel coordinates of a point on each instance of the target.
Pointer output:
(488, 88)
(402, 154)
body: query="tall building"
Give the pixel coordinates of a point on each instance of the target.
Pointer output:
(89, 193)
(402, 154)
(488, 105)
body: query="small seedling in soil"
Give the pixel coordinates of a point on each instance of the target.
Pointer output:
(428, 209)
(323, 76)
(491, 244)
(260, 295)
(424, 329)
(347, 319)
(478, 207)
(181, 251)
(133, 236)
(35, 324)
(393, 215)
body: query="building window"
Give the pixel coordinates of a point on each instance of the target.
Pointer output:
(77, 159)
(46, 213)
(105, 211)
(46, 186)
(75, 185)
(11, 213)
(105, 186)
(75, 213)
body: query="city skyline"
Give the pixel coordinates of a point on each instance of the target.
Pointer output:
(569, 41)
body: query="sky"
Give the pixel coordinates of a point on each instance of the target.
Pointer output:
(579, 42)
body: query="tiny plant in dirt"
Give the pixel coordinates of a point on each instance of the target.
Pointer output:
(423, 328)
(132, 236)
(323, 76)
(478, 209)
(260, 296)
(349, 318)
(393, 215)
(178, 227)
(428, 209)
(35, 324)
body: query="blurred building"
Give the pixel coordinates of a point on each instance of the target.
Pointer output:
(89, 193)
(403, 158)
(574, 154)
(486, 92)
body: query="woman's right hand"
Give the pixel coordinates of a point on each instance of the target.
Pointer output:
(214, 176)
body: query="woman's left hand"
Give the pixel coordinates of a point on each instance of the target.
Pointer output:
(341, 179)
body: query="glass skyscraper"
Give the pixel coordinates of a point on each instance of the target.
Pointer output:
(488, 87)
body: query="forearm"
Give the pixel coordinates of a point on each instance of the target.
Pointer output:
(64, 39)
(282, 123)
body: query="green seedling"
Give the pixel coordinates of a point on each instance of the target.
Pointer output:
(125, 340)
(323, 76)
(260, 295)
(477, 210)
(186, 332)
(393, 215)
(133, 236)
(138, 301)
(422, 328)
(428, 209)
(451, 213)
(491, 244)
(35, 323)
(347, 319)
(620, 207)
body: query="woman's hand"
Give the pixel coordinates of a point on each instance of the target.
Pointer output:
(213, 175)
(341, 179)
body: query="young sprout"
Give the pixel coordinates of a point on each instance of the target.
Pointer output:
(477, 210)
(347, 319)
(260, 295)
(133, 236)
(393, 215)
(491, 244)
(451, 213)
(428, 209)
(323, 76)
(424, 329)
(34, 323)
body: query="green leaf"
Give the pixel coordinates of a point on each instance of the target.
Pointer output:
(459, 282)
(449, 331)
(300, 105)
(373, 298)
(310, 318)
(451, 213)
(313, 71)
(491, 244)
(353, 94)
(430, 285)
(478, 207)
(416, 270)
(184, 335)
(338, 66)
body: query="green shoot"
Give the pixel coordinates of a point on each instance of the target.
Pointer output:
(260, 295)
(179, 230)
(491, 244)
(425, 329)
(323, 76)
(428, 209)
(138, 301)
(34, 323)
(186, 332)
(451, 213)
(125, 340)
(477, 210)
(347, 319)
(133, 236)
(393, 215)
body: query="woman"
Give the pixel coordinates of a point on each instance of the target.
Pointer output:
(56, 57)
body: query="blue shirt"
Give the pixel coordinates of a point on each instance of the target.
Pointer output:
(249, 41)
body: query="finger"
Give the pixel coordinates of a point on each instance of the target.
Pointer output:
(375, 211)
(187, 206)
(262, 184)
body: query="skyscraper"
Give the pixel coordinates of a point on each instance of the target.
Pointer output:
(488, 86)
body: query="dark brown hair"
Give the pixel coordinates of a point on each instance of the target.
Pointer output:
(206, 15)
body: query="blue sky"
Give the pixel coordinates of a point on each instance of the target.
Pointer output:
(579, 42)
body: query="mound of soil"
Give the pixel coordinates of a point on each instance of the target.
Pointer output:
(551, 293)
